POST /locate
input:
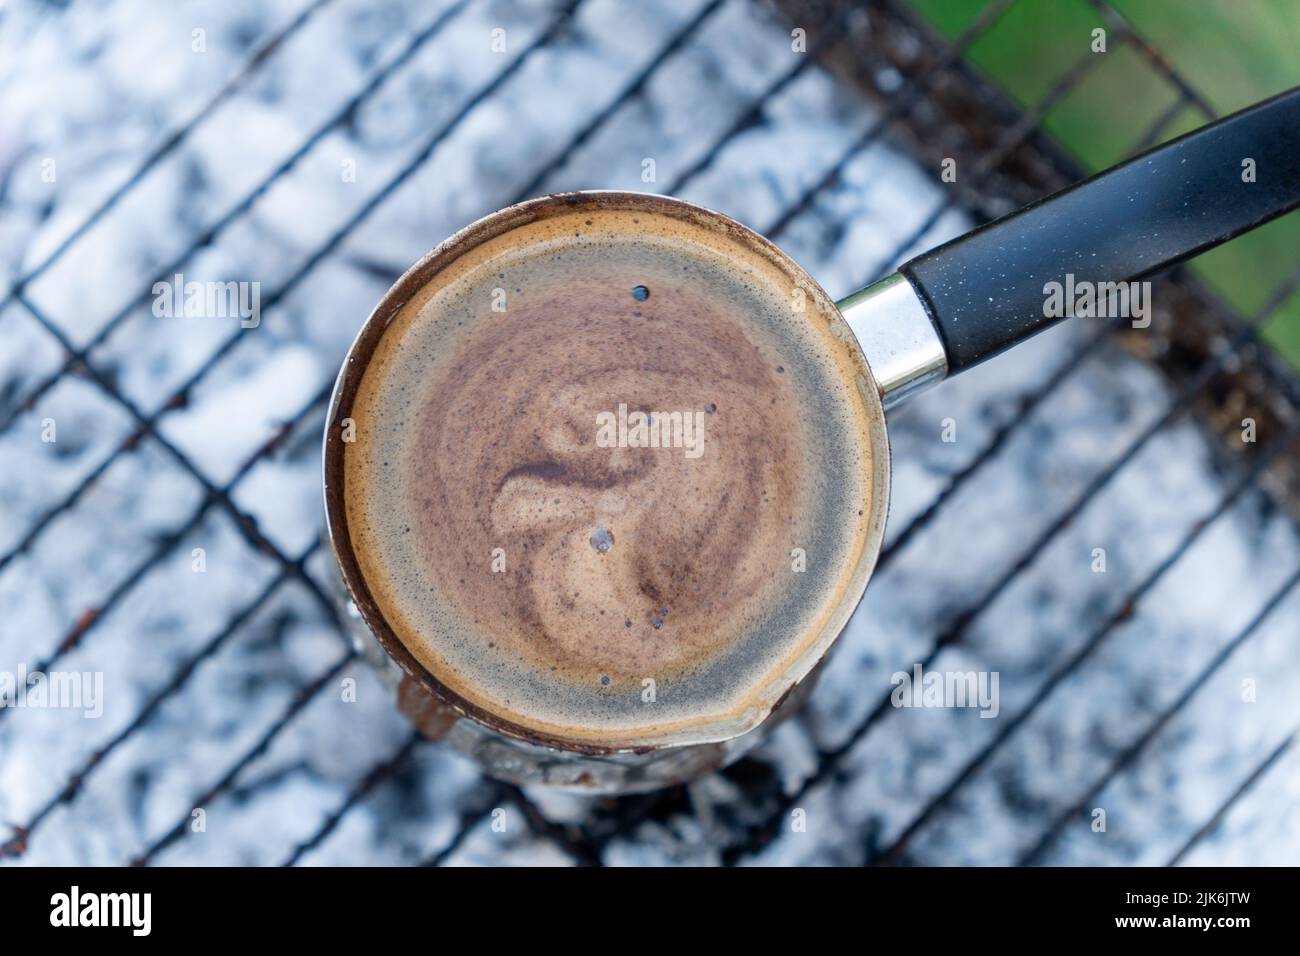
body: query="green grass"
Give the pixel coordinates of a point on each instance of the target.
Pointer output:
(1233, 52)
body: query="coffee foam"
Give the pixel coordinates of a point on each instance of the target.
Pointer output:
(477, 430)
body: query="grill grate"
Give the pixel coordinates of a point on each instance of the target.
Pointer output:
(588, 842)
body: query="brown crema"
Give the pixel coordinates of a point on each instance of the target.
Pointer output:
(525, 544)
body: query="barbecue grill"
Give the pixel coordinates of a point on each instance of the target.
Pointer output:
(258, 735)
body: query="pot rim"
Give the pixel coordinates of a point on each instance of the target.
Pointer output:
(779, 685)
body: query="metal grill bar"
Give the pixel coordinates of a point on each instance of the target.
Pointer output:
(1028, 124)
(178, 680)
(1153, 57)
(169, 143)
(493, 793)
(570, 839)
(1027, 405)
(1130, 753)
(296, 706)
(900, 104)
(1157, 128)
(377, 775)
(1125, 611)
(1248, 333)
(629, 92)
(248, 527)
(34, 532)
(753, 114)
(138, 573)
(1245, 787)
(80, 357)
(1174, 408)
(230, 777)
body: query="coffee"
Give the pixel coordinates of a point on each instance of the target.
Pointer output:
(611, 476)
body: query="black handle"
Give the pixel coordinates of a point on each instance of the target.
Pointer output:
(985, 290)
